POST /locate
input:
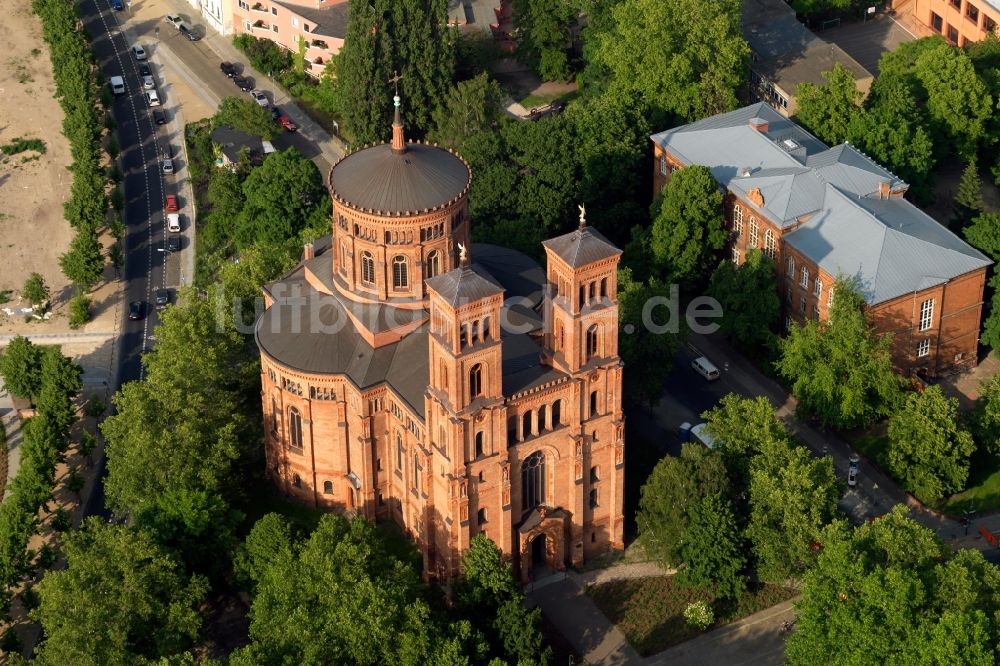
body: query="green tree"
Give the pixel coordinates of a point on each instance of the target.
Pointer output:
(840, 369)
(748, 294)
(986, 417)
(688, 228)
(649, 335)
(83, 264)
(21, 366)
(809, 7)
(969, 198)
(673, 487)
(469, 107)
(957, 99)
(792, 497)
(247, 116)
(271, 542)
(712, 548)
(79, 309)
(991, 327)
(984, 234)
(542, 152)
(386, 36)
(488, 594)
(284, 195)
(35, 289)
(742, 428)
(544, 37)
(341, 597)
(829, 110)
(928, 451)
(121, 600)
(699, 49)
(890, 592)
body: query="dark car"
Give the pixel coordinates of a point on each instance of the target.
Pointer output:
(229, 69)
(162, 298)
(159, 117)
(189, 33)
(144, 70)
(136, 310)
(276, 113)
(173, 243)
(117, 5)
(243, 83)
(287, 123)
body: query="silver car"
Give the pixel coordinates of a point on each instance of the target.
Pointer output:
(148, 83)
(168, 165)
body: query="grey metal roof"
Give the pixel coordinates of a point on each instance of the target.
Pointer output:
(582, 247)
(420, 178)
(329, 21)
(889, 245)
(787, 52)
(522, 368)
(464, 285)
(231, 141)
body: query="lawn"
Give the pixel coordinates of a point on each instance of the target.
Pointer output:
(875, 446)
(983, 493)
(535, 101)
(649, 611)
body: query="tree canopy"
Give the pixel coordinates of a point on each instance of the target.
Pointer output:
(890, 592)
(121, 600)
(21, 367)
(748, 293)
(830, 110)
(247, 116)
(928, 450)
(543, 29)
(840, 370)
(469, 107)
(713, 548)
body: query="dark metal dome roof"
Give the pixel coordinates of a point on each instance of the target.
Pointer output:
(377, 179)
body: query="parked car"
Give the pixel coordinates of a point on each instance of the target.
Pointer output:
(260, 98)
(228, 68)
(118, 85)
(152, 98)
(117, 5)
(135, 310)
(705, 368)
(189, 33)
(162, 298)
(287, 123)
(173, 223)
(174, 20)
(173, 243)
(243, 83)
(144, 69)
(276, 113)
(138, 52)
(170, 204)
(159, 117)
(148, 83)
(852, 476)
(697, 433)
(168, 165)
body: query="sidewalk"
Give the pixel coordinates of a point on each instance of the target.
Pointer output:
(12, 426)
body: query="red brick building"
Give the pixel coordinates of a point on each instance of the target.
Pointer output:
(823, 213)
(405, 380)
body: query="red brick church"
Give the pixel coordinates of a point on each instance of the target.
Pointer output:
(453, 388)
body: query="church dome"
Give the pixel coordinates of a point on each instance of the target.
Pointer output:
(380, 179)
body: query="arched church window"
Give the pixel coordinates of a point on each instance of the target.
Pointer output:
(476, 381)
(593, 337)
(367, 268)
(479, 444)
(433, 263)
(556, 413)
(533, 481)
(400, 279)
(294, 428)
(327, 487)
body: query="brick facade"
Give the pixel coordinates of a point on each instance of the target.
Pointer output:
(958, 21)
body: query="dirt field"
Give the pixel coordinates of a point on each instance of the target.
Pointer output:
(33, 186)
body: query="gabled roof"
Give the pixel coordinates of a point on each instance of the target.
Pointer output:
(581, 247)
(327, 21)
(464, 285)
(833, 199)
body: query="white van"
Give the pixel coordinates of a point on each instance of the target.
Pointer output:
(705, 368)
(118, 85)
(173, 223)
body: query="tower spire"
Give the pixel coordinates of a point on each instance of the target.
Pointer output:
(398, 140)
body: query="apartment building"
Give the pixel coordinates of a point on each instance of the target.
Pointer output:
(320, 24)
(822, 213)
(959, 21)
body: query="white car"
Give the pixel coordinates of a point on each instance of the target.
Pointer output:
(152, 98)
(260, 98)
(118, 85)
(168, 165)
(138, 52)
(174, 20)
(148, 83)
(173, 223)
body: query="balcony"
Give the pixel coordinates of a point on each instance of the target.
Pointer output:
(260, 25)
(260, 7)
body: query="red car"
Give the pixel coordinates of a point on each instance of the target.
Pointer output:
(287, 123)
(171, 204)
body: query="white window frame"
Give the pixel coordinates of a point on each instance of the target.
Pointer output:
(791, 267)
(804, 277)
(754, 233)
(735, 255)
(927, 314)
(829, 297)
(663, 165)
(818, 290)
(770, 244)
(924, 348)
(295, 21)
(738, 219)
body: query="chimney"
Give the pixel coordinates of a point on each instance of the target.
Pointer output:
(308, 252)
(884, 190)
(398, 140)
(759, 124)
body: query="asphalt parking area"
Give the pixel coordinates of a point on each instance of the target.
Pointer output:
(866, 42)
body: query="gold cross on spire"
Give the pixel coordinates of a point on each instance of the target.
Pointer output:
(395, 81)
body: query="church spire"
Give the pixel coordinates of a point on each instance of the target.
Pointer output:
(398, 140)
